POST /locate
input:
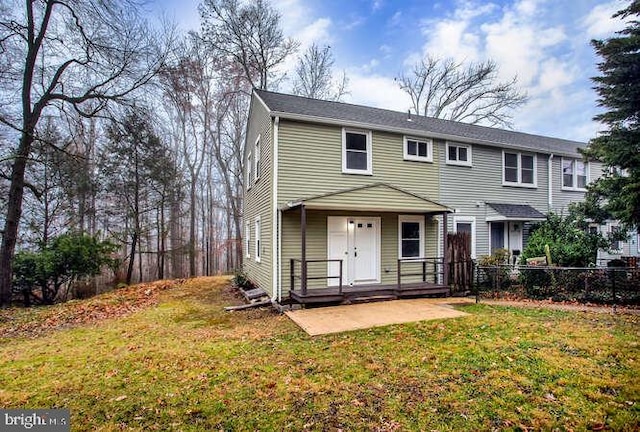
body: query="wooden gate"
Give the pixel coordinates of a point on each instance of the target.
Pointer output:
(460, 263)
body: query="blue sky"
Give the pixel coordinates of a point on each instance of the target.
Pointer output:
(545, 43)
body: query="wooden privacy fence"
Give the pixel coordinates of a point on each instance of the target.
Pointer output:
(458, 255)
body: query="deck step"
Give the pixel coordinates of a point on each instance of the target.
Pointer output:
(255, 294)
(373, 298)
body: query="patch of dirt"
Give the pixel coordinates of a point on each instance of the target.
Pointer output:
(36, 321)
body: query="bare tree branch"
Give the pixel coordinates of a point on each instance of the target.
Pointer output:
(314, 75)
(444, 88)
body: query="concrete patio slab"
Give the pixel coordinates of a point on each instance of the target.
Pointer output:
(336, 319)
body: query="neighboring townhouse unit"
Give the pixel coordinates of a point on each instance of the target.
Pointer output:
(500, 182)
(343, 200)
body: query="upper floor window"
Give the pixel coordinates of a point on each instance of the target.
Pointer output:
(257, 163)
(356, 152)
(418, 149)
(518, 169)
(249, 169)
(411, 236)
(458, 154)
(574, 174)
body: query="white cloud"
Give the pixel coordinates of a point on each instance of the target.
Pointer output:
(395, 20)
(316, 32)
(355, 22)
(377, 4)
(599, 22)
(377, 91)
(385, 49)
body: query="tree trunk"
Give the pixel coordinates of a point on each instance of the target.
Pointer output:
(132, 257)
(192, 229)
(14, 212)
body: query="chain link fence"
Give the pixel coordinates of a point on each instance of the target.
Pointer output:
(610, 285)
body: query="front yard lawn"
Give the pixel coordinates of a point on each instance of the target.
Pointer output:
(182, 363)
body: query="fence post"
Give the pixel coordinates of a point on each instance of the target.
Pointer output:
(613, 288)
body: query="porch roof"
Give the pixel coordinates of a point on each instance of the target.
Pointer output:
(380, 197)
(514, 212)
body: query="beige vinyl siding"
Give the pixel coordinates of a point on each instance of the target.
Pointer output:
(257, 200)
(468, 189)
(311, 164)
(317, 244)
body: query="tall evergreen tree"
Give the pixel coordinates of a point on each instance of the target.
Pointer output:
(617, 192)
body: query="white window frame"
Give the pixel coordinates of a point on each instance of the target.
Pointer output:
(367, 133)
(468, 162)
(574, 186)
(469, 220)
(619, 243)
(414, 219)
(410, 157)
(258, 240)
(519, 183)
(257, 166)
(249, 179)
(247, 240)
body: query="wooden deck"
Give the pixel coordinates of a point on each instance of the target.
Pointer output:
(375, 292)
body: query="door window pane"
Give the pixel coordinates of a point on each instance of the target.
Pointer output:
(464, 227)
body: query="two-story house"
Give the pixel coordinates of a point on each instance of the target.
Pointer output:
(344, 200)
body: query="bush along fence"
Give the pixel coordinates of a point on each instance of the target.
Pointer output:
(610, 285)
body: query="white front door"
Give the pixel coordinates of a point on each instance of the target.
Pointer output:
(515, 236)
(355, 240)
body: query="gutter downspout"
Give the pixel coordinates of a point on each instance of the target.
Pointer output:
(275, 241)
(550, 191)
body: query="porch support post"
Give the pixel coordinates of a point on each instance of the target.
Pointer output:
(303, 249)
(445, 264)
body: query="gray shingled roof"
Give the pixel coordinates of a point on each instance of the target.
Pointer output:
(517, 211)
(285, 105)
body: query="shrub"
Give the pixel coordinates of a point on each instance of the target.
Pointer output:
(241, 280)
(69, 257)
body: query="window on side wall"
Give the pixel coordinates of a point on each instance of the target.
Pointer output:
(356, 152)
(458, 154)
(519, 169)
(575, 174)
(249, 169)
(258, 240)
(247, 240)
(615, 245)
(410, 236)
(418, 149)
(257, 168)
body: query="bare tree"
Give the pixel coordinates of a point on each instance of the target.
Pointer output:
(60, 54)
(444, 88)
(314, 75)
(247, 35)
